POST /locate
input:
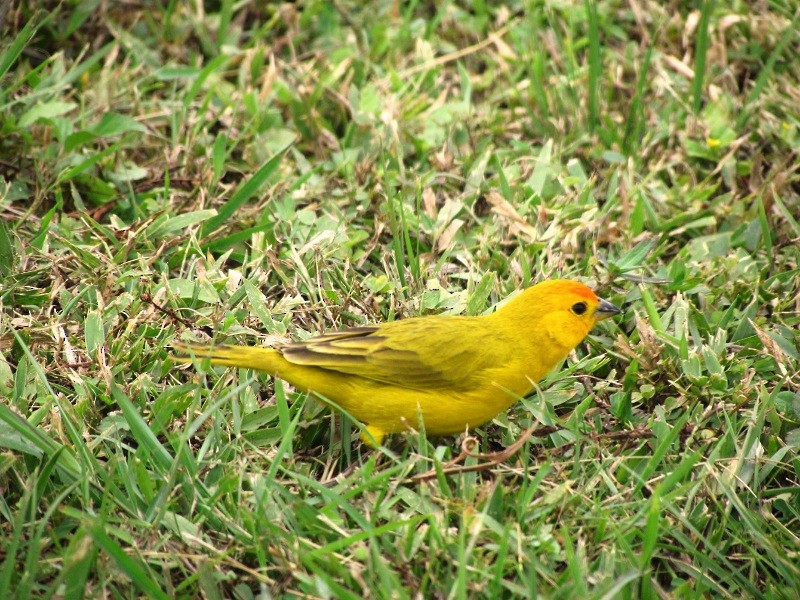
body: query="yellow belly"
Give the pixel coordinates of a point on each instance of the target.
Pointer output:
(388, 409)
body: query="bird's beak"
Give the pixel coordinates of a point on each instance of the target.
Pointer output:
(604, 310)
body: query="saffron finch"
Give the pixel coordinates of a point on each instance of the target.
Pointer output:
(450, 372)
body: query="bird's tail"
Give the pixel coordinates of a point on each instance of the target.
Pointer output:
(247, 357)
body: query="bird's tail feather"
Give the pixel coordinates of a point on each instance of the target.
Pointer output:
(262, 359)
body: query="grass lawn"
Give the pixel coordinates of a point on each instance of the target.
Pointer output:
(254, 172)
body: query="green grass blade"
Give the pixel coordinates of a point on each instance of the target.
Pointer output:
(701, 54)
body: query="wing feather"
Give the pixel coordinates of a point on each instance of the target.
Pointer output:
(413, 353)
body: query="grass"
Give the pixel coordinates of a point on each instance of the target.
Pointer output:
(256, 172)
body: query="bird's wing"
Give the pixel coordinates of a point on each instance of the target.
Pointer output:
(414, 353)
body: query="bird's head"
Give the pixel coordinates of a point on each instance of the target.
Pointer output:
(565, 310)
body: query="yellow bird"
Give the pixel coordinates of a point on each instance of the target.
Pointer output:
(448, 372)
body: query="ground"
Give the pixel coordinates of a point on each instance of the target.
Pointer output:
(258, 172)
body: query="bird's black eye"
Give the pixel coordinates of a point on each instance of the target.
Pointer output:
(579, 308)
